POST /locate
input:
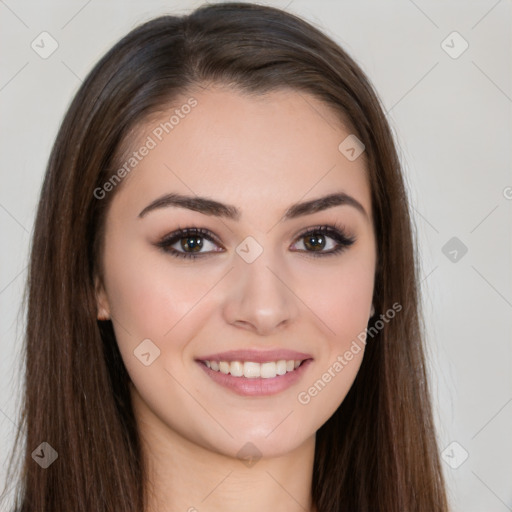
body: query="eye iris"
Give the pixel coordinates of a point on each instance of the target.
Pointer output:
(194, 243)
(315, 242)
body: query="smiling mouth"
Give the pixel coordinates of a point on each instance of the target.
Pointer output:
(253, 370)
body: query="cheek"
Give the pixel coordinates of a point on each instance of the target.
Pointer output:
(340, 295)
(349, 309)
(343, 307)
(152, 298)
(149, 294)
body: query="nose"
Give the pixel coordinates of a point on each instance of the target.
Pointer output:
(260, 296)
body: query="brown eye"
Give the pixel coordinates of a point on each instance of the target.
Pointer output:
(314, 242)
(192, 243)
(188, 243)
(325, 241)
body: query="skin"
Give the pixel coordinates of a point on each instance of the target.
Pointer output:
(260, 154)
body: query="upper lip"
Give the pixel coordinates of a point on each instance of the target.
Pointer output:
(257, 356)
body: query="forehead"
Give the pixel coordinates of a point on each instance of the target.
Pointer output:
(256, 151)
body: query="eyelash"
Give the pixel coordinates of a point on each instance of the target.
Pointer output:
(334, 231)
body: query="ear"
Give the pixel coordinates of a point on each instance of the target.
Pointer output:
(103, 308)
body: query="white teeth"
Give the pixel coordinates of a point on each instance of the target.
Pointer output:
(268, 370)
(281, 367)
(224, 367)
(236, 368)
(252, 370)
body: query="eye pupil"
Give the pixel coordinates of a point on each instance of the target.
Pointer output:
(195, 243)
(315, 242)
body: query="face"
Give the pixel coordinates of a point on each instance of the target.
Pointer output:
(254, 273)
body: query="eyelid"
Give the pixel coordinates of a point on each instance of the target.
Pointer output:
(180, 232)
(334, 228)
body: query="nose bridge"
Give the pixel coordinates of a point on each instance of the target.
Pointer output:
(258, 297)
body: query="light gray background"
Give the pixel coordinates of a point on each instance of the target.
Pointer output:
(452, 121)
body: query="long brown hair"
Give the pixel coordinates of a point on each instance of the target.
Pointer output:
(378, 451)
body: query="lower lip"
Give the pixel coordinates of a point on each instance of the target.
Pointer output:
(257, 386)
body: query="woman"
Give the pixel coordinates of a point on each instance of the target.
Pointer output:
(222, 298)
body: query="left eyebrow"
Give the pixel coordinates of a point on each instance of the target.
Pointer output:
(217, 209)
